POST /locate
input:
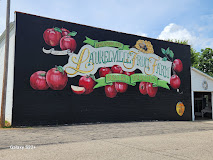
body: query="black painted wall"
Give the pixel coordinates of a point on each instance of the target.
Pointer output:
(32, 107)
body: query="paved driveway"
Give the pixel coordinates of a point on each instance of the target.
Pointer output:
(135, 140)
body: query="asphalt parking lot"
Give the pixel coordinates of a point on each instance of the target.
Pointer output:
(133, 140)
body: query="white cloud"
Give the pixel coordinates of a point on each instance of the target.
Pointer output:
(173, 31)
(177, 32)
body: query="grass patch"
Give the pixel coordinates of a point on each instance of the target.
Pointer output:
(7, 125)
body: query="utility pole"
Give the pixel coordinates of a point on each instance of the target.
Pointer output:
(4, 85)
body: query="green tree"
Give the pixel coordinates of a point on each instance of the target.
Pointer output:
(194, 58)
(206, 61)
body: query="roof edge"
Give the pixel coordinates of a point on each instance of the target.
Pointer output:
(202, 73)
(3, 35)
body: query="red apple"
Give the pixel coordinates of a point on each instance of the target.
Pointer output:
(65, 32)
(104, 71)
(57, 78)
(116, 69)
(142, 88)
(121, 87)
(151, 91)
(88, 83)
(110, 91)
(175, 82)
(177, 65)
(128, 73)
(52, 36)
(67, 42)
(78, 90)
(38, 81)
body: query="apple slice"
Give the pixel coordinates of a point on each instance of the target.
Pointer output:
(77, 89)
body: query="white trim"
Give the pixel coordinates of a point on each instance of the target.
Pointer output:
(192, 97)
(212, 103)
(200, 72)
(12, 71)
(193, 106)
(2, 37)
(10, 76)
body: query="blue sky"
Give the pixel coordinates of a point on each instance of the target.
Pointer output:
(190, 20)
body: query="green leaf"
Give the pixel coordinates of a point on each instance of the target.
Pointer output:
(60, 69)
(163, 51)
(164, 59)
(171, 54)
(154, 85)
(43, 74)
(168, 51)
(73, 33)
(58, 29)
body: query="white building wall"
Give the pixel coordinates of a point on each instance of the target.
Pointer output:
(197, 80)
(9, 99)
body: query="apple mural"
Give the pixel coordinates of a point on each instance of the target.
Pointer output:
(120, 87)
(128, 73)
(142, 88)
(151, 91)
(57, 78)
(177, 65)
(116, 69)
(104, 71)
(65, 32)
(52, 36)
(110, 91)
(38, 81)
(88, 83)
(175, 82)
(67, 42)
(77, 89)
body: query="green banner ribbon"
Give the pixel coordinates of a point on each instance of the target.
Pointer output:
(97, 44)
(113, 77)
(138, 77)
(130, 80)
